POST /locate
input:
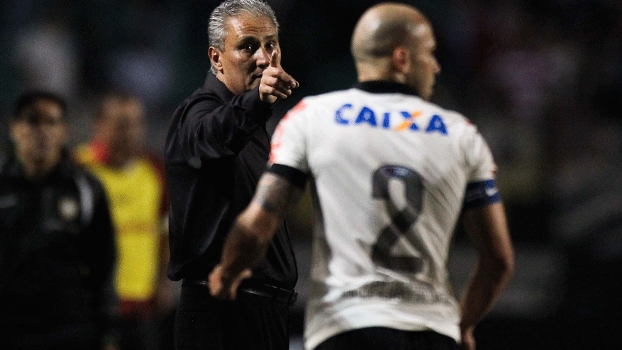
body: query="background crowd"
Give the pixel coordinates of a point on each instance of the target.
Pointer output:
(541, 79)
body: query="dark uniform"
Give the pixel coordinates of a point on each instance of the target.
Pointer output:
(57, 254)
(216, 150)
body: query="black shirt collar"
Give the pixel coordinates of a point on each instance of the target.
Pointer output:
(217, 87)
(385, 86)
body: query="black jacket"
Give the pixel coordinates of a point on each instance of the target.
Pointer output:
(217, 148)
(57, 254)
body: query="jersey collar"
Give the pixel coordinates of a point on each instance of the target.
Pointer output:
(385, 86)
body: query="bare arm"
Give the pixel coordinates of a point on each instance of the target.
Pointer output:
(251, 233)
(487, 228)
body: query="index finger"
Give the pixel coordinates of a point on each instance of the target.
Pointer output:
(274, 58)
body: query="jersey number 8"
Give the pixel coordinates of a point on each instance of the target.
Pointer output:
(401, 220)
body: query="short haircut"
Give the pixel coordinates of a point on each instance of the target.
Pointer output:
(232, 8)
(29, 98)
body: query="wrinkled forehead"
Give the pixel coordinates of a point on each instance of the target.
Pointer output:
(249, 25)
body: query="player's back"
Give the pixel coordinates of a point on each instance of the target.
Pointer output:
(390, 172)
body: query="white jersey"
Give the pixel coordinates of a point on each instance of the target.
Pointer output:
(389, 174)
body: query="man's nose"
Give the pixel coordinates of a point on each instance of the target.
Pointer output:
(263, 58)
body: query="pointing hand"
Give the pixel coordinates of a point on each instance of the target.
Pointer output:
(275, 82)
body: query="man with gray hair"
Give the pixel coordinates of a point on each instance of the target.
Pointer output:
(216, 149)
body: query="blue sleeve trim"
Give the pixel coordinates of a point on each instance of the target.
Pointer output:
(481, 193)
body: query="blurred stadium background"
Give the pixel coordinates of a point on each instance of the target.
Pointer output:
(542, 79)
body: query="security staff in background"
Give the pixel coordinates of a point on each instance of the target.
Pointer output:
(216, 149)
(57, 248)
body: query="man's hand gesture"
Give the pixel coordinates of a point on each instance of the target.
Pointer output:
(275, 82)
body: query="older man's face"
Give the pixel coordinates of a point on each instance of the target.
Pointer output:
(249, 42)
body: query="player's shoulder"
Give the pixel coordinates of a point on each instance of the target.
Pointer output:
(313, 104)
(329, 98)
(446, 113)
(450, 117)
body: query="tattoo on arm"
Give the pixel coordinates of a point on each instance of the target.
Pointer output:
(276, 194)
(250, 236)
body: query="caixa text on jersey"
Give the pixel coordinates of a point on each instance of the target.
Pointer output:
(397, 121)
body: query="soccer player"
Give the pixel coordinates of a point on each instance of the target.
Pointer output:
(391, 174)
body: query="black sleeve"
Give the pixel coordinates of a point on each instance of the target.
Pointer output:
(211, 129)
(297, 177)
(100, 256)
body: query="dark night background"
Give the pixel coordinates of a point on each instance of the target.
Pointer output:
(541, 79)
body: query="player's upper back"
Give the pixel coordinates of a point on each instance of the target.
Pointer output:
(344, 138)
(377, 121)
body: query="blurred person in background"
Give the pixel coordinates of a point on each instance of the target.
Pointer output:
(216, 150)
(392, 175)
(57, 246)
(134, 181)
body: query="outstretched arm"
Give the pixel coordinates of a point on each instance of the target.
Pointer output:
(251, 233)
(487, 228)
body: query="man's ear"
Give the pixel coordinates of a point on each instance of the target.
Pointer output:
(401, 59)
(214, 57)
